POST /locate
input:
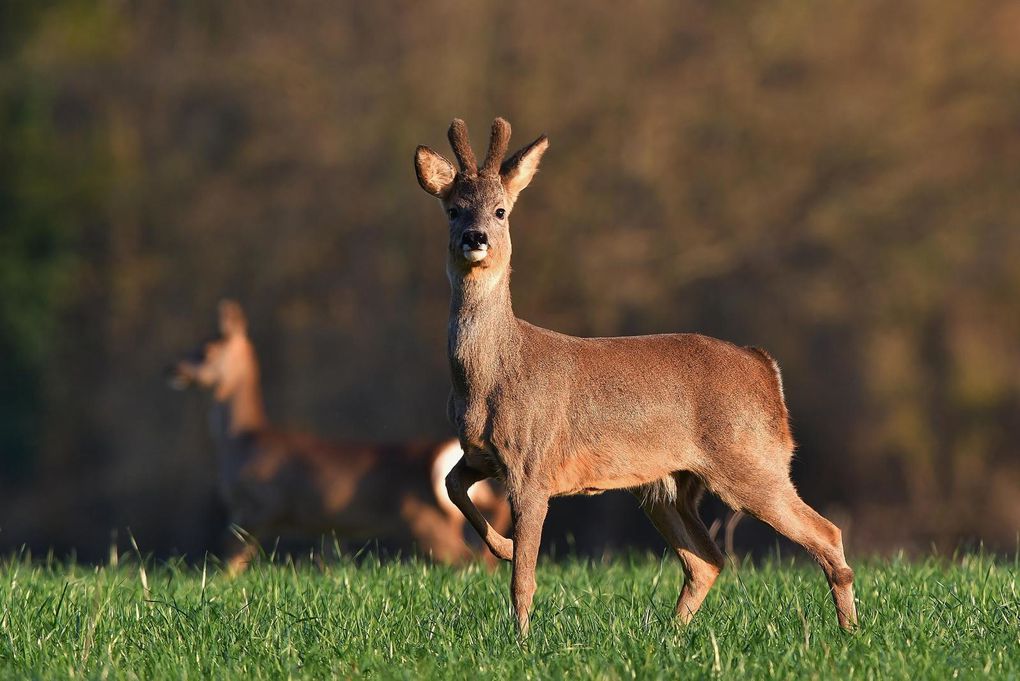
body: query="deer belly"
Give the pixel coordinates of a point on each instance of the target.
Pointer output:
(594, 474)
(293, 494)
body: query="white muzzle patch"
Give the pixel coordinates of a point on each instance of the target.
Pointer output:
(476, 254)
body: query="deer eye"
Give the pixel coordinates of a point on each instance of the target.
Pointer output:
(500, 213)
(452, 213)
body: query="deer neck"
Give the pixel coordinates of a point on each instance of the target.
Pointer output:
(241, 411)
(484, 334)
(247, 410)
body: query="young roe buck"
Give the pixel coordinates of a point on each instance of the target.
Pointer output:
(277, 482)
(664, 416)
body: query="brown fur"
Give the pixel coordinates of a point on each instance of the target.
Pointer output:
(276, 482)
(664, 416)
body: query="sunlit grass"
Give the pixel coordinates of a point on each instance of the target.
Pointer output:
(413, 620)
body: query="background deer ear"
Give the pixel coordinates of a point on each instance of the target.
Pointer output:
(517, 171)
(232, 320)
(435, 173)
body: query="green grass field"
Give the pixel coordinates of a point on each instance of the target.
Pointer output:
(933, 619)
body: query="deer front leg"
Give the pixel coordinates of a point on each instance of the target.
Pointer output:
(458, 482)
(529, 516)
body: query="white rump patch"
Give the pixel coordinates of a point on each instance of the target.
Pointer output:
(481, 493)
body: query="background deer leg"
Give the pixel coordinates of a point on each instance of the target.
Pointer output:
(784, 510)
(435, 532)
(240, 560)
(682, 528)
(528, 516)
(240, 550)
(458, 482)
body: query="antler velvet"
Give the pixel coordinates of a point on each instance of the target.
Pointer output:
(498, 143)
(462, 148)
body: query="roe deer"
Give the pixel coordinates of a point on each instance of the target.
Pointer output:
(664, 416)
(275, 482)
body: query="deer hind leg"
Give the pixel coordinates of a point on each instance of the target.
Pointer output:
(680, 525)
(781, 507)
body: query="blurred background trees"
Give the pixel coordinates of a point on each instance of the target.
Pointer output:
(835, 181)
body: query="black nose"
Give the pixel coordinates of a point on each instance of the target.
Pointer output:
(474, 239)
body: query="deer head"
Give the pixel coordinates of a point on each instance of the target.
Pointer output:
(478, 202)
(223, 363)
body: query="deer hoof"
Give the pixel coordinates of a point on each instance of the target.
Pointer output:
(504, 550)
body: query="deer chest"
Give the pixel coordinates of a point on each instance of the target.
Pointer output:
(473, 420)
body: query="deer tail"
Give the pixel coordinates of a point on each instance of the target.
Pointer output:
(770, 362)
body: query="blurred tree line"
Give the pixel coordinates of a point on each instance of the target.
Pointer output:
(835, 181)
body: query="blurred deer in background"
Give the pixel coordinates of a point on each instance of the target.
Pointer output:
(276, 482)
(664, 416)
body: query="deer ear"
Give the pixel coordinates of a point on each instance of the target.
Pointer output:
(517, 171)
(232, 320)
(435, 173)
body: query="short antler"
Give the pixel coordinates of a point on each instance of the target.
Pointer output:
(498, 143)
(462, 148)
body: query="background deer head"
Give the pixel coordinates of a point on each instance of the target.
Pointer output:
(222, 364)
